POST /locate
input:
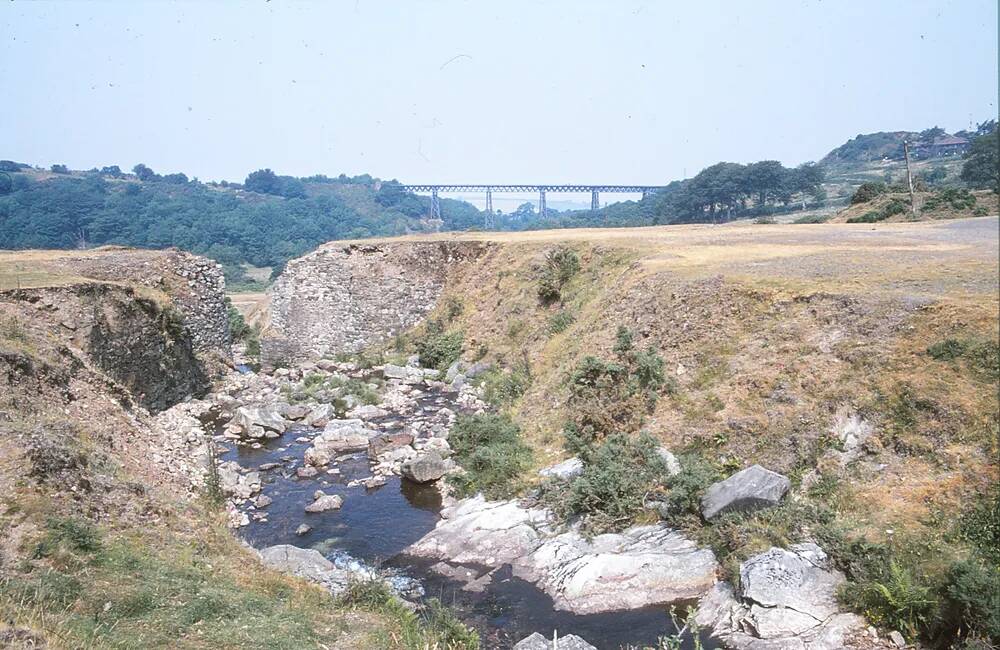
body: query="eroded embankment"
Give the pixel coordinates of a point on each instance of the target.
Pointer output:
(847, 359)
(344, 298)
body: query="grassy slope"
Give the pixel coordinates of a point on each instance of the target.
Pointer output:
(101, 549)
(768, 332)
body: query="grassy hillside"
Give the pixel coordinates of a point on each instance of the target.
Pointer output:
(771, 339)
(225, 222)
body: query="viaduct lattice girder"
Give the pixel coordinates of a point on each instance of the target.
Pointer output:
(594, 190)
(524, 188)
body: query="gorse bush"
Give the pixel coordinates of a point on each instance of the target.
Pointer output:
(612, 396)
(867, 191)
(609, 492)
(439, 349)
(561, 264)
(951, 197)
(490, 449)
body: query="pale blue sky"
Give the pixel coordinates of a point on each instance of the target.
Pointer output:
(573, 91)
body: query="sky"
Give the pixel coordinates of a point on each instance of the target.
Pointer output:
(574, 91)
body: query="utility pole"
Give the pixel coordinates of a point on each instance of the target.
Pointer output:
(909, 179)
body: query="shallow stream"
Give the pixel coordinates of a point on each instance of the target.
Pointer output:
(376, 525)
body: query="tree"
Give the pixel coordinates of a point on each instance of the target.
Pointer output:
(114, 171)
(59, 169)
(176, 179)
(6, 184)
(143, 173)
(262, 181)
(982, 162)
(764, 179)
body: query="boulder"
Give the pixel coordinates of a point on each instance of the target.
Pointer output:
(387, 442)
(787, 599)
(302, 562)
(566, 470)
(644, 565)
(538, 642)
(296, 412)
(488, 533)
(673, 465)
(367, 412)
(324, 502)
(426, 468)
(753, 488)
(320, 415)
(338, 436)
(303, 529)
(255, 421)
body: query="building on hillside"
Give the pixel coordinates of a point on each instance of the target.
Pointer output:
(944, 145)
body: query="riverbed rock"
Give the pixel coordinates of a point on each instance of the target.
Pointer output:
(303, 529)
(538, 642)
(320, 415)
(566, 470)
(787, 599)
(644, 565)
(324, 502)
(302, 562)
(254, 422)
(295, 412)
(338, 436)
(408, 374)
(477, 531)
(388, 441)
(426, 468)
(753, 488)
(367, 412)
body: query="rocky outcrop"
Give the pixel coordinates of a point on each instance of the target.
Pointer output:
(644, 565)
(538, 642)
(335, 574)
(641, 566)
(345, 297)
(750, 489)
(787, 599)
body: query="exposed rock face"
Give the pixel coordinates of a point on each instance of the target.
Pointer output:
(335, 575)
(750, 489)
(787, 599)
(342, 298)
(645, 565)
(538, 642)
(566, 470)
(476, 531)
(642, 566)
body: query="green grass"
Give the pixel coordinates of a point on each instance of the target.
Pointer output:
(434, 626)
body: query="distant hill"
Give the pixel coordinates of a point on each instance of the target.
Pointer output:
(60, 208)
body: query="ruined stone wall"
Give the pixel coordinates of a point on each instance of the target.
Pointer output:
(345, 297)
(195, 284)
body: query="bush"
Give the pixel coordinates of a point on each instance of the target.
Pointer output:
(952, 197)
(560, 321)
(490, 450)
(439, 349)
(561, 264)
(503, 387)
(59, 169)
(238, 328)
(873, 216)
(813, 218)
(867, 191)
(685, 488)
(973, 593)
(610, 491)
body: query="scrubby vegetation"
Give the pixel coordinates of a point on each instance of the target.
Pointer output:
(438, 348)
(502, 386)
(493, 454)
(338, 390)
(868, 191)
(561, 264)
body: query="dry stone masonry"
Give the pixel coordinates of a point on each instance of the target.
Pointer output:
(342, 298)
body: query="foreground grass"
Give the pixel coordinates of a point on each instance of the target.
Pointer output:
(83, 586)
